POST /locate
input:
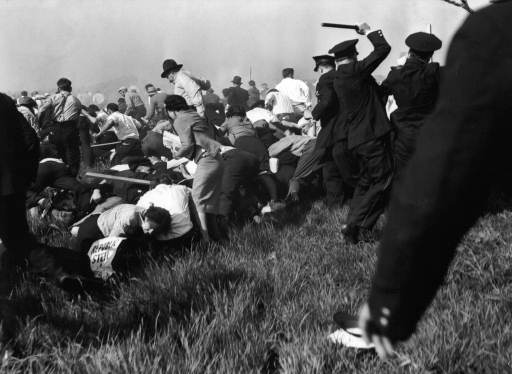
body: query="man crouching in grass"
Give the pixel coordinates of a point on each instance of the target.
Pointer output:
(125, 220)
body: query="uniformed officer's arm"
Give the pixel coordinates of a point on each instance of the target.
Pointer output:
(381, 49)
(446, 184)
(326, 99)
(386, 87)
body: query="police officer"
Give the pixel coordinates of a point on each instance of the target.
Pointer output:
(415, 87)
(363, 129)
(326, 111)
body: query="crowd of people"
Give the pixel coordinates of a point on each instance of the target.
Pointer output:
(231, 160)
(193, 161)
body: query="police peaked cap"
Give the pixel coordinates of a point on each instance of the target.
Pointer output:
(323, 60)
(344, 49)
(423, 42)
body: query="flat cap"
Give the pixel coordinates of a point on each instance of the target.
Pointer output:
(423, 42)
(344, 49)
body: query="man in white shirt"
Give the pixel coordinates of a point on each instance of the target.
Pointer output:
(125, 128)
(185, 85)
(175, 199)
(296, 90)
(258, 114)
(279, 104)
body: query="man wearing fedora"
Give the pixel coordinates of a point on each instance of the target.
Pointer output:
(415, 87)
(238, 96)
(184, 85)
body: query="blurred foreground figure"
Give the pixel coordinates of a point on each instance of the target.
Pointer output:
(462, 149)
(19, 153)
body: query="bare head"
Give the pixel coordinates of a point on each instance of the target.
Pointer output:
(288, 73)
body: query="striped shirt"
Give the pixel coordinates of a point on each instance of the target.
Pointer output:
(65, 106)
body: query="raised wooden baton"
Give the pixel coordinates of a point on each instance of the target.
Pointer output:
(340, 26)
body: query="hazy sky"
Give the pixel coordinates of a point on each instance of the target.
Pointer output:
(98, 40)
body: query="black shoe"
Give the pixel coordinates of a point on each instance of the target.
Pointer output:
(346, 321)
(350, 233)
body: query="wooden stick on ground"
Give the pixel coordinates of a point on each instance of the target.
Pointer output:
(105, 144)
(117, 178)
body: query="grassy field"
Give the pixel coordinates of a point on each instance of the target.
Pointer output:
(263, 304)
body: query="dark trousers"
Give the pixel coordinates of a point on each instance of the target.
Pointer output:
(339, 173)
(65, 137)
(106, 137)
(346, 162)
(88, 233)
(14, 230)
(333, 183)
(57, 175)
(404, 147)
(85, 146)
(309, 162)
(153, 145)
(254, 145)
(128, 147)
(374, 180)
(240, 169)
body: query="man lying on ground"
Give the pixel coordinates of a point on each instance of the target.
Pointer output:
(124, 220)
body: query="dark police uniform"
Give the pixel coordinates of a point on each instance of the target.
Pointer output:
(363, 128)
(415, 87)
(462, 149)
(325, 111)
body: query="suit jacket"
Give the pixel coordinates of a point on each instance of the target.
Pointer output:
(238, 96)
(326, 108)
(462, 149)
(415, 87)
(362, 114)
